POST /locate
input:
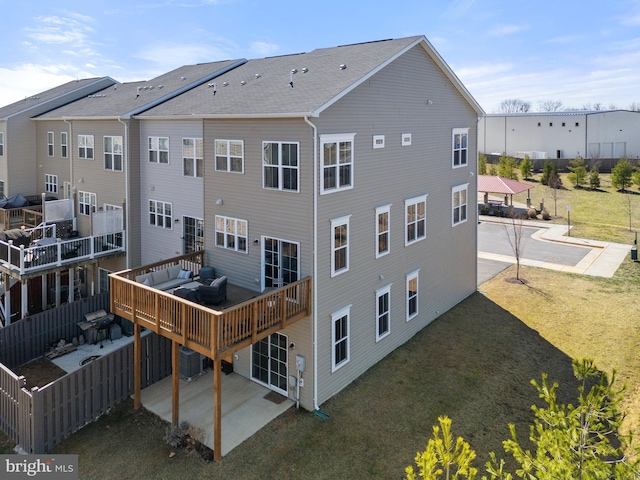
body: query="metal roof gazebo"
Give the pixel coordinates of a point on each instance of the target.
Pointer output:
(505, 186)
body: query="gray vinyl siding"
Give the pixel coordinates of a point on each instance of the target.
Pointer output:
(56, 165)
(392, 102)
(165, 183)
(109, 186)
(279, 214)
(20, 151)
(132, 220)
(3, 158)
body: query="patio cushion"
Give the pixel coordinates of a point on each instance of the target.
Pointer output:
(144, 278)
(161, 276)
(173, 271)
(184, 274)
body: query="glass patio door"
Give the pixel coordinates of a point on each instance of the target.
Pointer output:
(269, 362)
(281, 260)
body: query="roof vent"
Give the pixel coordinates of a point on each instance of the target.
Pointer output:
(343, 67)
(183, 78)
(293, 72)
(160, 86)
(305, 70)
(243, 82)
(258, 75)
(225, 84)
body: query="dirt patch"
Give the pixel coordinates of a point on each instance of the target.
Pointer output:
(39, 373)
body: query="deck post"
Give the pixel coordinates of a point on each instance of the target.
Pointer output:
(137, 360)
(175, 383)
(217, 408)
(7, 299)
(24, 297)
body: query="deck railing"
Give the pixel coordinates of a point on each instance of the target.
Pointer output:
(30, 216)
(24, 260)
(214, 333)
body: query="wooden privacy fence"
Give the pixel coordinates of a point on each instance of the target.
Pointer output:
(39, 419)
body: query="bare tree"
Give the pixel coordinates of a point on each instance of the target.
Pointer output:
(634, 107)
(514, 105)
(516, 238)
(595, 107)
(555, 183)
(550, 105)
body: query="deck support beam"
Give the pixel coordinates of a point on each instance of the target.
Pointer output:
(217, 408)
(137, 366)
(175, 383)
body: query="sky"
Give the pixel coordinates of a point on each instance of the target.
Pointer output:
(577, 52)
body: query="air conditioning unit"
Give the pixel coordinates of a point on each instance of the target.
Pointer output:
(190, 364)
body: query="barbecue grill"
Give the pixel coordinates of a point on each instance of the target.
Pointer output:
(98, 324)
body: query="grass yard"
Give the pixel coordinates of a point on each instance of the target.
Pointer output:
(598, 215)
(473, 364)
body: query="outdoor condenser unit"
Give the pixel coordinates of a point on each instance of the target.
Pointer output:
(190, 363)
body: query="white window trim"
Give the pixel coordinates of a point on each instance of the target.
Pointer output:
(386, 290)
(235, 234)
(50, 144)
(455, 190)
(407, 203)
(409, 277)
(115, 140)
(378, 141)
(195, 158)
(158, 150)
(459, 131)
(87, 198)
(50, 183)
(380, 210)
(1, 144)
(64, 144)
(406, 139)
(336, 222)
(164, 215)
(80, 145)
(336, 138)
(281, 167)
(335, 316)
(227, 155)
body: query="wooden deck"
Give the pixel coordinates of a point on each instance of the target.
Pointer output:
(214, 333)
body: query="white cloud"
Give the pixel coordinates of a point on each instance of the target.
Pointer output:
(263, 49)
(58, 30)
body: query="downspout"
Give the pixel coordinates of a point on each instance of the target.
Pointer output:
(70, 155)
(314, 296)
(125, 159)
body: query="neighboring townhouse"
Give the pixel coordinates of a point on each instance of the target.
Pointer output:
(351, 165)
(597, 135)
(75, 143)
(18, 157)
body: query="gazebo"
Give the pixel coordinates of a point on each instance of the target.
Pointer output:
(504, 186)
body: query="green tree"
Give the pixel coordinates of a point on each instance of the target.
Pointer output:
(635, 178)
(578, 172)
(578, 442)
(526, 167)
(621, 174)
(493, 169)
(549, 171)
(482, 164)
(507, 167)
(594, 178)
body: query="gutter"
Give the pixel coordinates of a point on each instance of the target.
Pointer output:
(223, 116)
(315, 263)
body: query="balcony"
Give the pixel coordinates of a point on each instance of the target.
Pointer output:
(37, 250)
(214, 333)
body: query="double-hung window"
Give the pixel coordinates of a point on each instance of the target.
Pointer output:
(336, 158)
(87, 202)
(460, 149)
(231, 233)
(415, 219)
(160, 214)
(459, 204)
(383, 312)
(50, 144)
(64, 144)
(280, 166)
(382, 230)
(50, 183)
(193, 234)
(339, 245)
(340, 338)
(1, 144)
(113, 153)
(412, 295)
(192, 157)
(159, 149)
(230, 156)
(85, 147)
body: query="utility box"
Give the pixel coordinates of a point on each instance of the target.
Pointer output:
(634, 253)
